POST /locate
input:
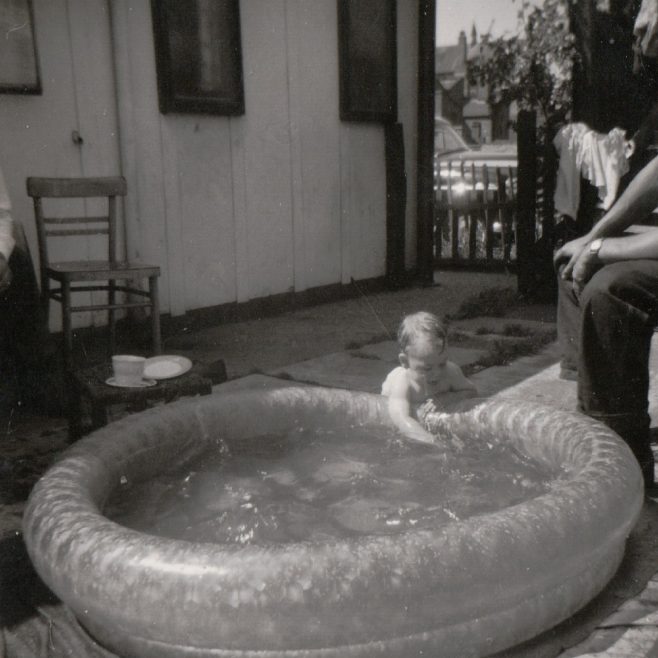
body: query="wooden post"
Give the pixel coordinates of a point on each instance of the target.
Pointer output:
(425, 153)
(396, 202)
(473, 216)
(526, 200)
(486, 215)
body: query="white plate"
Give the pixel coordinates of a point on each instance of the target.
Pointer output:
(143, 384)
(166, 366)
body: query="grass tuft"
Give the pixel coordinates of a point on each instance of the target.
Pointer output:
(493, 302)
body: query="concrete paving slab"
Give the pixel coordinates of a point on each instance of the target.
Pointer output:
(388, 351)
(497, 325)
(250, 382)
(537, 378)
(632, 613)
(338, 370)
(272, 342)
(361, 370)
(520, 378)
(598, 641)
(650, 593)
(633, 643)
(544, 387)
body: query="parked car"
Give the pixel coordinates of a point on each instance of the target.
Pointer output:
(461, 173)
(455, 160)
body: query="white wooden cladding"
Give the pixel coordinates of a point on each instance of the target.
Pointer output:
(284, 198)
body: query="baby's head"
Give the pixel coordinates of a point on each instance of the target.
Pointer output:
(422, 338)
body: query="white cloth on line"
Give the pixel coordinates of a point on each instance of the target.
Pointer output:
(599, 158)
(7, 241)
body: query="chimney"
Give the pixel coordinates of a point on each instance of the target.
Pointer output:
(463, 46)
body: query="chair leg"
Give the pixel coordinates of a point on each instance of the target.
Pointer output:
(98, 415)
(45, 302)
(155, 314)
(66, 325)
(112, 325)
(74, 411)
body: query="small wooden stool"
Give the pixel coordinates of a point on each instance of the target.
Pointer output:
(89, 384)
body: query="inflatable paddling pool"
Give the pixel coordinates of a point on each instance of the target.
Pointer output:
(469, 587)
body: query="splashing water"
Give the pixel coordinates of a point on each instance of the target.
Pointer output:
(315, 485)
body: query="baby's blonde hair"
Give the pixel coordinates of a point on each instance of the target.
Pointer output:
(420, 325)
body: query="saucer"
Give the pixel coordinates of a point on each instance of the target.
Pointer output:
(166, 366)
(145, 383)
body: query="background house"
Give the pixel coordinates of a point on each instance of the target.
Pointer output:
(467, 105)
(283, 198)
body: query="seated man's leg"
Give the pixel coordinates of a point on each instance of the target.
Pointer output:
(619, 311)
(568, 328)
(23, 335)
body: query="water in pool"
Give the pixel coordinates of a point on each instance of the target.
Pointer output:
(314, 485)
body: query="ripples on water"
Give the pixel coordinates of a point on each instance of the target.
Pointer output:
(314, 485)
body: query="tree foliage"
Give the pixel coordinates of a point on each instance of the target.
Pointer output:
(533, 68)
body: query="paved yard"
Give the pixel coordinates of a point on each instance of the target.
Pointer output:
(349, 345)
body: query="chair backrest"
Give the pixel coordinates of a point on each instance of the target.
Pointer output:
(69, 188)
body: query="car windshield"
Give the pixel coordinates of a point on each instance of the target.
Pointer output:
(447, 140)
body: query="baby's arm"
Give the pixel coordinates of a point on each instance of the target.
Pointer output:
(400, 410)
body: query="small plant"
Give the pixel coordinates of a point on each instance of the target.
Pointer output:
(503, 352)
(493, 302)
(517, 330)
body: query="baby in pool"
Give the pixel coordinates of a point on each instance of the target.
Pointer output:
(424, 371)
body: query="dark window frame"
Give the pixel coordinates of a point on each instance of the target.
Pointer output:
(21, 30)
(368, 80)
(229, 97)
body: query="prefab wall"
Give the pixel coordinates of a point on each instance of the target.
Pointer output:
(285, 197)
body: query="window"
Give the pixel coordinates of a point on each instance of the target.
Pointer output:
(19, 72)
(368, 60)
(198, 56)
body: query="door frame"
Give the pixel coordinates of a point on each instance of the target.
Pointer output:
(425, 148)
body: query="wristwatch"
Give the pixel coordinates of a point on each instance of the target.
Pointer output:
(595, 246)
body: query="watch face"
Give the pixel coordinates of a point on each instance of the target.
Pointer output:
(595, 245)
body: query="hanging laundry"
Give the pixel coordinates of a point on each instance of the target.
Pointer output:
(567, 186)
(599, 158)
(645, 29)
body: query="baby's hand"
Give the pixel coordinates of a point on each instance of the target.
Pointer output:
(427, 407)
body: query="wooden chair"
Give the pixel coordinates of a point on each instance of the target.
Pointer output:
(88, 272)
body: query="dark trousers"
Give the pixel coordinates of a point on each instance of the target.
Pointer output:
(23, 337)
(606, 335)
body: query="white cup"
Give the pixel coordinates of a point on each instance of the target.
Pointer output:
(128, 370)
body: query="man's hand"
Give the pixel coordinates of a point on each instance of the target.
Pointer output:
(5, 274)
(570, 253)
(585, 266)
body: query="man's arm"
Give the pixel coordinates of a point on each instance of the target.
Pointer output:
(628, 247)
(637, 201)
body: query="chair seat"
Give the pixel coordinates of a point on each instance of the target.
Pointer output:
(100, 270)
